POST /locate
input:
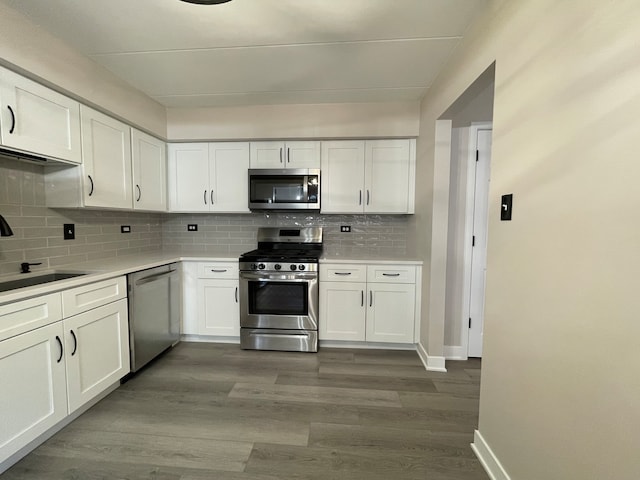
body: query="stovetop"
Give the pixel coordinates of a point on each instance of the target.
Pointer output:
(288, 255)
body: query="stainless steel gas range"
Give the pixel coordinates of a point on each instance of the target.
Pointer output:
(279, 290)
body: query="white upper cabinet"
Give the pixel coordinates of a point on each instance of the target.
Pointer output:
(35, 119)
(372, 176)
(149, 159)
(208, 177)
(106, 150)
(293, 154)
(342, 176)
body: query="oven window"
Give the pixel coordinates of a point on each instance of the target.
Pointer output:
(278, 298)
(277, 189)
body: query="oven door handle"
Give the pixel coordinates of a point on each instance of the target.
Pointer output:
(285, 276)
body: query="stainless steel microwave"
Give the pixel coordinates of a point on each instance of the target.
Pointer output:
(284, 189)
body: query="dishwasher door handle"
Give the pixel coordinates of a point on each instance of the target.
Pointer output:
(153, 278)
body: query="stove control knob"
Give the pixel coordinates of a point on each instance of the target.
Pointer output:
(253, 266)
(301, 267)
(261, 266)
(293, 267)
(277, 266)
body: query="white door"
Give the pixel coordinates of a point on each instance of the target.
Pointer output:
(34, 392)
(267, 155)
(149, 159)
(387, 174)
(342, 176)
(97, 351)
(228, 179)
(36, 119)
(303, 154)
(189, 177)
(390, 312)
(479, 249)
(106, 150)
(218, 308)
(342, 311)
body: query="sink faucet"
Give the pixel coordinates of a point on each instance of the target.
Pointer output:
(24, 267)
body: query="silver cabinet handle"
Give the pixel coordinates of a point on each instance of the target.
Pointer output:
(205, 197)
(342, 273)
(371, 298)
(391, 274)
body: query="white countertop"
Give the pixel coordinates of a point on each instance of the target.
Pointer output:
(114, 267)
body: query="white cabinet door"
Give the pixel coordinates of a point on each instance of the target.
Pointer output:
(218, 308)
(387, 176)
(97, 351)
(189, 177)
(342, 311)
(149, 159)
(228, 179)
(302, 154)
(34, 394)
(37, 120)
(106, 150)
(342, 181)
(390, 312)
(267, 155)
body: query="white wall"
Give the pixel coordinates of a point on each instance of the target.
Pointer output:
(29, 50)
(560, 389)
(337, 120)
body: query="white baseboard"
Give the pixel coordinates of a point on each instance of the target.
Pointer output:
(455, 352)
(366, 345)
(487, 458)
(185, 337)
(430, 362)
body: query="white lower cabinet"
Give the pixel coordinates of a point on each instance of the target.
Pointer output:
(218, 310)
(380, 306)
(51, 366)
(34, 391)
(97, 351)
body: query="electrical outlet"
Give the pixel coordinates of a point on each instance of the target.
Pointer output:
(345, 228)
(192, 227)
(125, 228)
(69, 231)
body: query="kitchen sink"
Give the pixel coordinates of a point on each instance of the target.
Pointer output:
(40, 279)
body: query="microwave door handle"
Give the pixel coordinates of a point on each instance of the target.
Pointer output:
(305, 188)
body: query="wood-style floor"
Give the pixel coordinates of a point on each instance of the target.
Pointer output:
(213, 411)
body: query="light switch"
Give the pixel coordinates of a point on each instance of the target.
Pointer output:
(69, 231)
(506, 207)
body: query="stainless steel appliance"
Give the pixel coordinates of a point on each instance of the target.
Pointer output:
(284, 189)
(154, 312)
(279, 290)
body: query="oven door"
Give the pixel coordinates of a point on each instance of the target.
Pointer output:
(287, 301)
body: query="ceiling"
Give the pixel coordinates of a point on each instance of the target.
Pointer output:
(249, 52)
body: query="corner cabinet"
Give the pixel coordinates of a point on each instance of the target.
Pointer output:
(368, 176)
(372, 303)
(37, 120)
(149, 172)
(292, 154)
(208, 177)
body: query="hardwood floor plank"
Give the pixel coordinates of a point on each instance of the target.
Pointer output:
(374, 370)
(420, 419)
(311, 394)
(358, 381)
(438, 401)
(199, 453)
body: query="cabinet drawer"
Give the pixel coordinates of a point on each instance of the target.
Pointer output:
(391, 274)
(25, 315)
(343, 273)
(228, 270)
(87, 297)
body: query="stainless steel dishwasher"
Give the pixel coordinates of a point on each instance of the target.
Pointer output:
(154, 312)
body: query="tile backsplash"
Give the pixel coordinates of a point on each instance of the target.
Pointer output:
(38, 230)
